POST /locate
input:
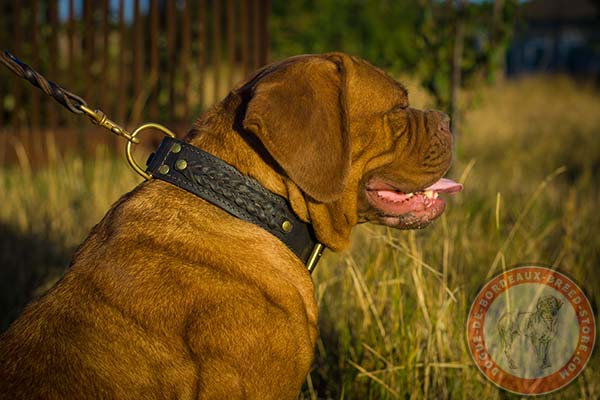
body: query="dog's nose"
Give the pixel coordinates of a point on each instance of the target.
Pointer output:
(444, 125)
(439, 122)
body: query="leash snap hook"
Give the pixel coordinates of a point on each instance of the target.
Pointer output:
(99, 118)
(134, 140)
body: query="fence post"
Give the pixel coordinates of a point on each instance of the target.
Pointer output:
(202, 52)
(244, 17)
(138, 55)
(230, 43)
(89, 44)
(216, 50)
(171, 57)
(186, 47)
(52, 59)
(264, 37)
(17, 49)
(121, 111)
(34, 114)
(255, 34)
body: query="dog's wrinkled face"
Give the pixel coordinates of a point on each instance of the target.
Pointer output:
(406, 195)
(345, 135)
(399, 186)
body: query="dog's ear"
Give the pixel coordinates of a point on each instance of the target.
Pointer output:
(298, 111)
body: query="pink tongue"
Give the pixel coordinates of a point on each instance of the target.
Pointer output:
(398, 203)
(445, 185)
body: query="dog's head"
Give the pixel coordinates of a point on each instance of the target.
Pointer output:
(343, 133)
(548, 307)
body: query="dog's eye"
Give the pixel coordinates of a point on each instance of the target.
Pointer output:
(397, 119)
(398, 111)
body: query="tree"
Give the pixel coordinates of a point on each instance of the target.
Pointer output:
(445, 44)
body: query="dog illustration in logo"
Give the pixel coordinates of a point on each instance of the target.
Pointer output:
(539, 327)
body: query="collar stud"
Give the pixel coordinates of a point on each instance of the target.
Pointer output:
(181, 164)
(286, 226)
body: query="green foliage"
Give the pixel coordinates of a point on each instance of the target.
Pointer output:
(375, 30)
(399, 36)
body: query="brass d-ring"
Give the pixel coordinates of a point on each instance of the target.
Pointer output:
(128, 153)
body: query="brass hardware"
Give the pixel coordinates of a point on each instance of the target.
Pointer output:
(176, 148)
(286, 226)
(181, 164)
(128, 147)
(99, 118)
(163, 169)
(314, 257)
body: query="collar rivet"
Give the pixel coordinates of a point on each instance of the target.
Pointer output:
(181, 164)
(176, 148)
(286, 226)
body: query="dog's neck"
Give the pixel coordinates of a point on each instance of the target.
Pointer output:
(210, 178)
(218, 131)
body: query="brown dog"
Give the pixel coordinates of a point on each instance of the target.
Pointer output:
(172, 297)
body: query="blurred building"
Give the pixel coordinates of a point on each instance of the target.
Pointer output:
(557, 36)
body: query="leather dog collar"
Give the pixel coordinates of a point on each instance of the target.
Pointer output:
(212, 179)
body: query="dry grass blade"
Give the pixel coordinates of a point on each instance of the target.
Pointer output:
(365, 295)
(520, 218)
(366, 373)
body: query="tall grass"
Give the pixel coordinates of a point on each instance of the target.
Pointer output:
(45, 214)
(393, 306)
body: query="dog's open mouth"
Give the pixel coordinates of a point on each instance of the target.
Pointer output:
(410, 210)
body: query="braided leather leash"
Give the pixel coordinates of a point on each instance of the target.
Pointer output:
(79, 106)
(70, 101)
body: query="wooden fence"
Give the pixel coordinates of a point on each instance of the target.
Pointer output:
(162, 60)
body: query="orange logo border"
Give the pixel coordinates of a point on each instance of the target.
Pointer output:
(544, 276)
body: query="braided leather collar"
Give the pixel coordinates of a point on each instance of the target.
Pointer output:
(212, 179)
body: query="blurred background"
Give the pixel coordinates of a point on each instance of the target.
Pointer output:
(521, 80)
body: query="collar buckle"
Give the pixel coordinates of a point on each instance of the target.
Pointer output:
(315, 255)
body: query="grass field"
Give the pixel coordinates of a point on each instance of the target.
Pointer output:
(393, 306)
